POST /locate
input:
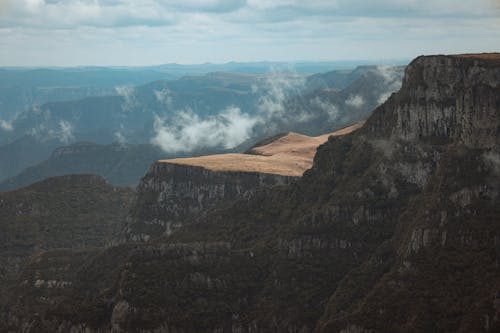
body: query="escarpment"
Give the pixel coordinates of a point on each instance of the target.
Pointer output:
(445, 98)
(171, 194)
(178, 190)
(395, 228)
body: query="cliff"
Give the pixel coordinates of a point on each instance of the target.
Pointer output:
(395, 228)
(179, 190)
(171, 194)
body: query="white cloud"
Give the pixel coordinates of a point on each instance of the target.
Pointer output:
(392, 79)
(65, 133)
(188, 131)
(128, 93)
(6, 125)
(383, 97)
(329, 108)
(355, 101)
(164, 96)
(119, 32)
(275, 89)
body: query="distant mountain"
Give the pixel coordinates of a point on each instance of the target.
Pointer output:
(339, 79)
(119, 164)
(264, 102)
(266, 67)
(213, 113)
(22, 153)
(21, 89)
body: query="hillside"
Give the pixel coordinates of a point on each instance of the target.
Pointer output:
(395, 228)
(120, 164)
(75, 211)
(288, 155)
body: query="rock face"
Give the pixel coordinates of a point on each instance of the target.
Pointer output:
(394, 229)
(179, 190)
(171, 194)
(451, 98)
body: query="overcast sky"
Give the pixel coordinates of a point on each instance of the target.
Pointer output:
(146, 32)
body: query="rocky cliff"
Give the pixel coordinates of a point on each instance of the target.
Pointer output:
(176, 191)
(396, 228)
(171, 194)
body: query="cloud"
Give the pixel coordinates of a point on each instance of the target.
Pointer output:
(6, 125)
(128, 93)
(188, 131)
(275, 90)
(119, 32)
(164, 96)
(384, 97)
(65, 133)
(120, 138)
(214, 6)
(392, 77)
(329, 108)
(355, 101)
(74, 13)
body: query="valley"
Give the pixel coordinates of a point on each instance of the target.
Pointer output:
(392, 227)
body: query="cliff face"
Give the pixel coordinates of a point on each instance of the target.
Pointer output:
(180, 190)
(171, 194)
(450, 98)
(395, 228)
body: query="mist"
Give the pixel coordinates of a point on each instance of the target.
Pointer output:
(187, 131)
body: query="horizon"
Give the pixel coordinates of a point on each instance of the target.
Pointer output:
(343, 63)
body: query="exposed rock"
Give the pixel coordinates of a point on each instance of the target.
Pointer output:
(171, 194)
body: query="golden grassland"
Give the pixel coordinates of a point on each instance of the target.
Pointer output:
(290, 155)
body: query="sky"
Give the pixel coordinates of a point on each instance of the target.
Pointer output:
(149, 32)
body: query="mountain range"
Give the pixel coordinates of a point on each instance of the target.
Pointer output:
(393, 229)
(192, 115)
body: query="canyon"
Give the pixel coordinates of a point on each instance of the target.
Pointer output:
(393, 227)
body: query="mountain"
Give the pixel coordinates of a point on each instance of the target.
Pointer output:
(217, 112)
(74, 211)
(22, 88)
(119, 164)
(177, 190)
(24, 152)
(273, 101)
(395, 228)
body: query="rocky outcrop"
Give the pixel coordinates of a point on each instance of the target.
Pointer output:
(179, 190)
(171, 194)
(444, 98)
(394, 229)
